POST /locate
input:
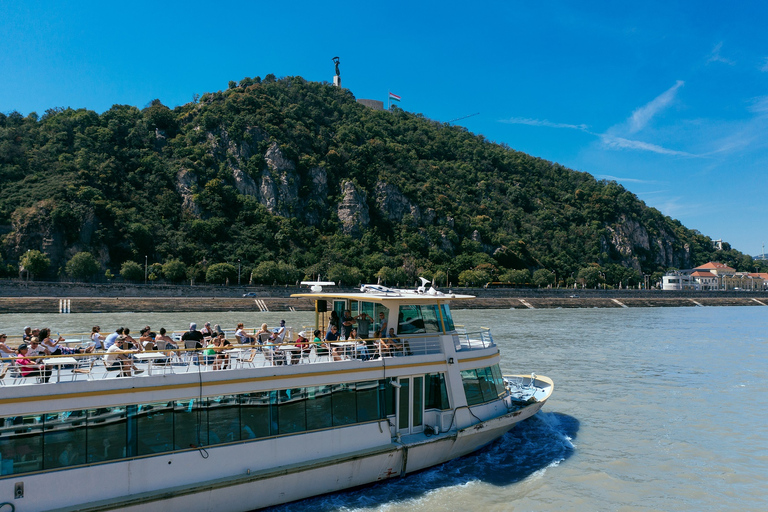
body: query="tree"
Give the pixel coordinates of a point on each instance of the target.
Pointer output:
(543, 278)
(174, 270)
(590, 276)
(519, 277)
(221, 273)
(132, 271)
(82, 266)
(35, 262)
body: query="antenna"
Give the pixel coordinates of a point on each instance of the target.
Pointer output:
(464, 117)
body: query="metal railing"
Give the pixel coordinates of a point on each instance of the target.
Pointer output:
(473, 340)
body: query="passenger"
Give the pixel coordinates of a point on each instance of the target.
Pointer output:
(27, 334)
(361, 349)
(146, 341)
(207, 331)
(27, 368)
(242, 337)
(382, 323)
(347, 323)
(53, 347)
(217, 329)
(69, 457)
(118, 358)
(130, 342)
(397, 344)
(98, 338)
(112, 337)
(210, 352)
(5, 350)
(334, 320)
(192, 338)
(384, 349)
(320, 348)
(222, 358)
(35, 349)
(169, 343)
(330, 337)
(302, 343)
(364, 322)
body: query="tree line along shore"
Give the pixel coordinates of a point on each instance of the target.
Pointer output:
(272, 303)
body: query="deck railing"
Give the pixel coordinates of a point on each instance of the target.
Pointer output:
(473, 340)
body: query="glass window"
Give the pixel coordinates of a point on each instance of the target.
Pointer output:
(64, 439)
(291, 414)
(155, 424)
(368, 406)
(319, 407)
(418, 400)
(344, 404)
(21, 445)
(471, 387)
(447, 318)
(389, 396)
(431, 318)
(255, 415)
(498, 380)
(485, 379)
(436, 393)
(409, 320)
(107, 429)
(191, 420)
(223, 419)
(403, 408)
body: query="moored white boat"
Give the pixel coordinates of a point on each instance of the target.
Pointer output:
(262, 433)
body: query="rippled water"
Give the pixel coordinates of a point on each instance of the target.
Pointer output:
(653, 409)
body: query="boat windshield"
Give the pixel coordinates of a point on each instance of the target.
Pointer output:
(447, 318)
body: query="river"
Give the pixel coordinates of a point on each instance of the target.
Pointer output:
(653, 409)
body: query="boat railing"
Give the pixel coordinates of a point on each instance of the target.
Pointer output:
(474, 340)
(91, 365)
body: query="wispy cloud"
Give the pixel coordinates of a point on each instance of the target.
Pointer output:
(644, 114)
(614, 142)
(764, 67)
(759, 105)
(715, 56)
(624, 180)
(544, 122)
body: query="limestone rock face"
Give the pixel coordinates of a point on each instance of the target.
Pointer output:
(279, 186)
(353, 210)
(317, 204)
(393, 205)
(185, 181)
(244, 183)
(632, 240)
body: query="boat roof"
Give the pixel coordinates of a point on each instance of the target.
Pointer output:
(389, 296)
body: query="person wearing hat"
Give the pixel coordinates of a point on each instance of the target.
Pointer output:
(193, 336)
(28, 368)
(118, 358)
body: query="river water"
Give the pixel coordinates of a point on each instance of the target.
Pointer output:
(653, 409)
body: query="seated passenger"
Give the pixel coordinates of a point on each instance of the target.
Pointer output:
(5, 350)
(98, 339)
(118, 358)
(146, 341)
(28, 368)
(361, 349)
(382, 346)
(193, 336)
(242, 338)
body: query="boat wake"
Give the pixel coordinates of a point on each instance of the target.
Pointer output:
(534, 445)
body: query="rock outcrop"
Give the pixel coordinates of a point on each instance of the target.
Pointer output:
(353, 210)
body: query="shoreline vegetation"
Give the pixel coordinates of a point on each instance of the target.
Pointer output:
(36, 297)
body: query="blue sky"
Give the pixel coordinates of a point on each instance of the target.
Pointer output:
(668, 98)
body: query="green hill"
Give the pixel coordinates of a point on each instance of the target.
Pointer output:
(290, 178)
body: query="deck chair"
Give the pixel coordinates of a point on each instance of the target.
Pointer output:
(249, 361)
(84, 371)
(3, 372)
(191, 355)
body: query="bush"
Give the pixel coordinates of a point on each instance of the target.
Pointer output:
(35, 262)
(132, 271)
(82, 266)
(174, 270)
(221, 273)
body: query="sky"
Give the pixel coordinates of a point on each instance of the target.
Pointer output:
(668, 98)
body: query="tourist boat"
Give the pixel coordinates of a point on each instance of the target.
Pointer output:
(181, 436)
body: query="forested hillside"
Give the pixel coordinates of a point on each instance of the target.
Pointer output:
(288, 178)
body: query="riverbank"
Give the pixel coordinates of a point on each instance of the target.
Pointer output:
(191, 304)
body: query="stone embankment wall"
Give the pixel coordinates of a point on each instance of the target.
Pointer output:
(19, 297)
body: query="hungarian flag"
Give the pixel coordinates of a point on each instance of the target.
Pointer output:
(394, 97)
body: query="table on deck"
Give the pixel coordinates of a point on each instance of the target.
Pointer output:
(150, 357)
(58, 362)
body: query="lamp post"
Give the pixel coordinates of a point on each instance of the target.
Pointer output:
(145, 269)
(238, 272)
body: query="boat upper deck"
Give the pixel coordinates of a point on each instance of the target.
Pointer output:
(93, 367)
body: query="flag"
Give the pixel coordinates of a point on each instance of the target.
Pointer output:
(394, 97)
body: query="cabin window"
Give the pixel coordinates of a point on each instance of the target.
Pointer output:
(447, 318)
(291, 414)
(436, 393)
(369, 405)
(344, 404)
(191, 424)
(417, 319)
(21, 445)
(155, 424)
(64, 439)
(223, 419)
(483, 384)
(255, 414)
(107, 424)
(403, 406)
(319, 407)
(418, 401)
